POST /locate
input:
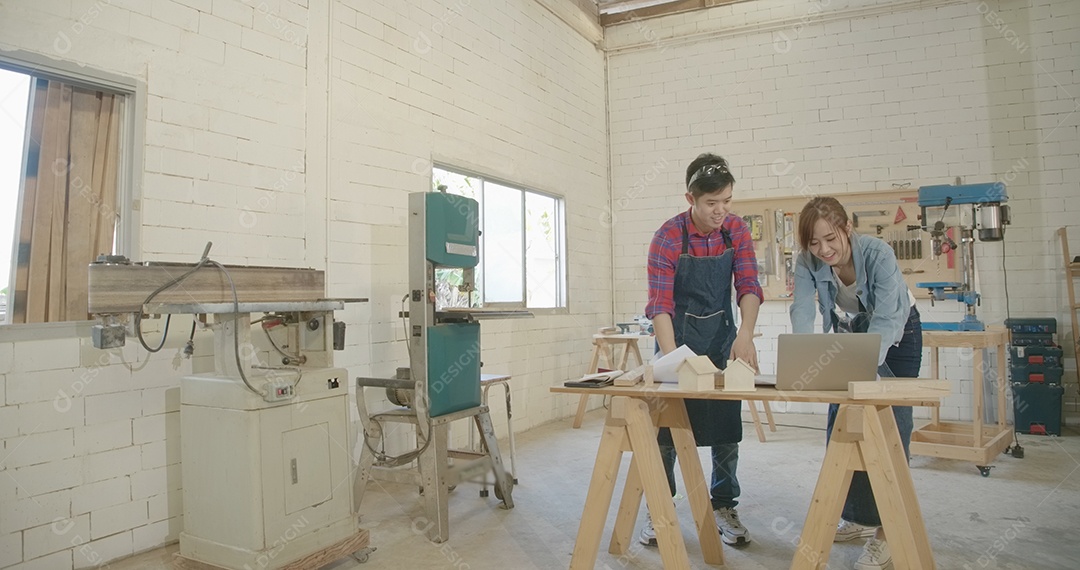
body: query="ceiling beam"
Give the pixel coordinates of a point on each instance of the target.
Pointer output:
(627, 10)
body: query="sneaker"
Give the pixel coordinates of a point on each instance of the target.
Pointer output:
(648, 533)
(731, 530)
(846, 531)
(875, 556)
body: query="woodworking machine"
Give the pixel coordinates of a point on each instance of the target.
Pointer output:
(265, 453)
(978, 207)
(442, 382)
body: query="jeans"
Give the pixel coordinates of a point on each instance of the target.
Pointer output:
(724, 488)
(903, 360)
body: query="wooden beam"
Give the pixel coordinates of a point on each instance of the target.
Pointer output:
(899, 389)
(124, 288)
(619, 12)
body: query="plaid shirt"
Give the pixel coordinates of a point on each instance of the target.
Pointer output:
(666, 247)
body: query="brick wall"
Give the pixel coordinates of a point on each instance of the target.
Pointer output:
(855, 96)
(289, 133)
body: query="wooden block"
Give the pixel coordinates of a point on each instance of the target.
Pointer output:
(648, 379)
(631, 378)
(899, 389)
(317, 559)
(849, 424)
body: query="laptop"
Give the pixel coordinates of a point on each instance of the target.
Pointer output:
(826, 361)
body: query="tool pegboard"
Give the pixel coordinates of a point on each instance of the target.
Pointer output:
(886, 215)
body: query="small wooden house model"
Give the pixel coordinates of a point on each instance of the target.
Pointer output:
(697, 374)
(738, 377)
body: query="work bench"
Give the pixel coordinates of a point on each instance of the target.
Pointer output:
(865, 438)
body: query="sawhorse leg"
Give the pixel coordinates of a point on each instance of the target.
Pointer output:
(629, 427)
(865, 438)
(609, 357)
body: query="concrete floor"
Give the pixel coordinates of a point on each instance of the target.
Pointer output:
(1023, 516)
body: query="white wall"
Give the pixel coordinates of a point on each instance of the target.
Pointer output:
(855, 96)
(289, 133)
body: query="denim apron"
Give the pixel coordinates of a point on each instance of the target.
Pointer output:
(702, 321)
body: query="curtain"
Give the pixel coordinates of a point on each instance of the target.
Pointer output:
(67, 212)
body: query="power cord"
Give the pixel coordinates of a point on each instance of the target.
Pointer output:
(1016, 450)
(203, 262)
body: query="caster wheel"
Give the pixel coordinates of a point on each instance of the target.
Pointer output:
(483, 493)
(362, 555)
(985, 469)
(515, 481)
(1017, 452)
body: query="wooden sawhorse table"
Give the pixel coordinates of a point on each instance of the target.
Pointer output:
(607, 344)
(962, 440)
(865, 438)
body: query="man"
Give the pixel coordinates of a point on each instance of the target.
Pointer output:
(694, 259)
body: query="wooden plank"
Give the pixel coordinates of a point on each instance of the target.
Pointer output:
(17, 302)
(979, 382)
(622, 535)
(757, 421)
(317, 559)
(631, 377)
(56, 276)
(81, 201)
(598, 498)
(123, 288)
(894, 491)
(944, 451)
(675, 417)
(37, 292)
(657, 494)
(935, 413)
(110, 187)
(819, 529)
(965, 339)
(769, 416)
(661, 391)
(901, 388)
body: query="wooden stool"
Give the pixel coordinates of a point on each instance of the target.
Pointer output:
(607, 343)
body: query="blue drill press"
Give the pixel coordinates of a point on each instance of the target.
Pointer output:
(969, 207)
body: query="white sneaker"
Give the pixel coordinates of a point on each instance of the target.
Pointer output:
(731, 530)
(846, 531)
(648, 533)
(875, 556)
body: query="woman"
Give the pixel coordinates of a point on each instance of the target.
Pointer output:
(860, 288)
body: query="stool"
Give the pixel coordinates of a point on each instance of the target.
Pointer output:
(486, 382)
(607, 343)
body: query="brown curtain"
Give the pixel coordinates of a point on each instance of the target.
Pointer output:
(68, 204)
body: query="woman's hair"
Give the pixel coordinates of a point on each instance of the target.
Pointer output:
(821, 208)
(707, 174)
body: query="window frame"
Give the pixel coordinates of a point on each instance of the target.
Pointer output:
(132, 140)
(562, 292)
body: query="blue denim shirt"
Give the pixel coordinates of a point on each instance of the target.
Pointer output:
(880, 288)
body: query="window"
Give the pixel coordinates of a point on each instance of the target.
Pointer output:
(63, 186)
(522, 245)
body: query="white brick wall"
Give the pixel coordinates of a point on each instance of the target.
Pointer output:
(229, 111)
(857, 95)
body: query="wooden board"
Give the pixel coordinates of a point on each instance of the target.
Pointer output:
(905, 388)
(317, 559)
(777, 249)
(123, 288)
(662, 391)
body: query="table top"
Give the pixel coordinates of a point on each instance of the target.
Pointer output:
(493, 378)
(765, 394)
(993, 336)
(621, 336)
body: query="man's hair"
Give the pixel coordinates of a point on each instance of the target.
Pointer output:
(700, 182)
